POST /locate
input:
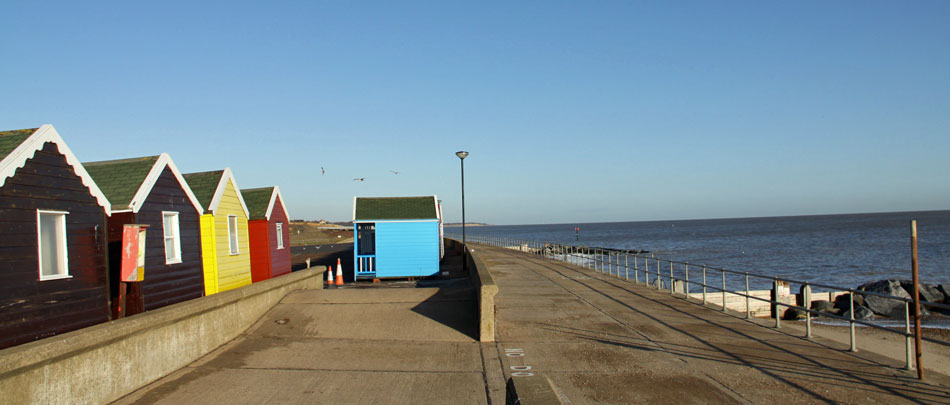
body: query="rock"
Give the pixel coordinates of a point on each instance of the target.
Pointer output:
(945, 289)
(890, 308)
(823, 306)
(928, 292)
(794, 314)
(860, 314)
(843, 303)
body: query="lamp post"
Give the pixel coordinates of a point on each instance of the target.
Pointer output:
(462, 154)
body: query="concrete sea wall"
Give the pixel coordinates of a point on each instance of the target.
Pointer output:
(485, 290)
(102, 363)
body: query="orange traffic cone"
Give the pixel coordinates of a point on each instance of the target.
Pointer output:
(329, 276)
(339, 273)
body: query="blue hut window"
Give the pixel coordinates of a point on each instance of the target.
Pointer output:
(366, 233)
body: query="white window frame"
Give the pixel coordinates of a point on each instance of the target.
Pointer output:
(175, 236)
(63, 246)
(233, 241)
(280, 235)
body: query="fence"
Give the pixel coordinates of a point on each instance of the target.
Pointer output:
(622, 263)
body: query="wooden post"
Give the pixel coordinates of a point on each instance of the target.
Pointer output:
(913, 266)
(123, 294)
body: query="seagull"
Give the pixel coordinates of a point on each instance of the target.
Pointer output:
(360, 179)
(394, 172)
(322, 172)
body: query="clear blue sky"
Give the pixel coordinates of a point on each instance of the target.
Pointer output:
(572, 111)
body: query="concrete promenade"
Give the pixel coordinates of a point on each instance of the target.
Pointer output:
(563, 334)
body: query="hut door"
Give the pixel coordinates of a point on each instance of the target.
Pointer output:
(367, 239)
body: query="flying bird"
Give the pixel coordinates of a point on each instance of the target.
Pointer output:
(322, 172)
(394, 172)
(360, 179)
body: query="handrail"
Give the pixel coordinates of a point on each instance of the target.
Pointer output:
(602, 260)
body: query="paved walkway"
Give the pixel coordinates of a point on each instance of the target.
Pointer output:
(563, 334)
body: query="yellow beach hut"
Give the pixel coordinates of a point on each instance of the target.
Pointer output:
(225, 250)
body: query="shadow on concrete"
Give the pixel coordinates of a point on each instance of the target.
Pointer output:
(454, 305)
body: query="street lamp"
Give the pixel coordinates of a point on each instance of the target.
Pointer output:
(462, 154)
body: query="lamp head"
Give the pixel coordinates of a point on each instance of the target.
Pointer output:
(461, 154)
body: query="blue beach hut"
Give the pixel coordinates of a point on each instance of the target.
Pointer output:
(396, 236)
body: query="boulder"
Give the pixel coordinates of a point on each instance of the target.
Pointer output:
(860, 314)
(890, 308)
(945, 289)
(823, 306)
(843, 303)
(928, 292)
(794, 314)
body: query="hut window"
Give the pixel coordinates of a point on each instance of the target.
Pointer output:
(233, 234)
(172, 237)
(280, 235)
(51, 241)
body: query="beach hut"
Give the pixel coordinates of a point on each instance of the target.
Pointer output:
(225, 250)
(269, 232)
(151, 191)
(53, 270)
(396, 236)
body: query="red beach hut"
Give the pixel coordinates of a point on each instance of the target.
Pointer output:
(268, 231)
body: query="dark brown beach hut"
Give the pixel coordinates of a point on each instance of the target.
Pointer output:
(151, 191)
(53, 275)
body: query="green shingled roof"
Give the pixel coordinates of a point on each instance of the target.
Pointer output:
(9, 140)
(257, 200)
(120, 179)
(395, 208)
(204, 184)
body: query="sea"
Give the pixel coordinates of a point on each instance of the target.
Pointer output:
(844, 250)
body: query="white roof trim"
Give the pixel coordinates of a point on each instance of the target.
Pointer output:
(146, 188)
(274, 195)
(26, 150)
(219, 192)
(354, 208)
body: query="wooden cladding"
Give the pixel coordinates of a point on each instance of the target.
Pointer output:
(33, 309)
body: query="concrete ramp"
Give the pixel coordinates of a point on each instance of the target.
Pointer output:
(373, 345)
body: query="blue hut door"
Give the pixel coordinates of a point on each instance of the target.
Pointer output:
(366, 249)
(367, 235)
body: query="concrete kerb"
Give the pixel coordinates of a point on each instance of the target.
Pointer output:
(104, 362)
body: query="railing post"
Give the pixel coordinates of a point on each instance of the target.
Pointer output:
(704, 285)
(636, 271)
(646, 271)
(659, 279)
(806, 291)
(854, 346)
(626, 266)
(610, 263)
(672, 284)
(610, 259)
(686, 284)
(748, 309)
(778, 308)
(907, 339)
(723, 290)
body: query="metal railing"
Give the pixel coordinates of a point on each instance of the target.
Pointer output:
(366, 264)
(613, 261)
